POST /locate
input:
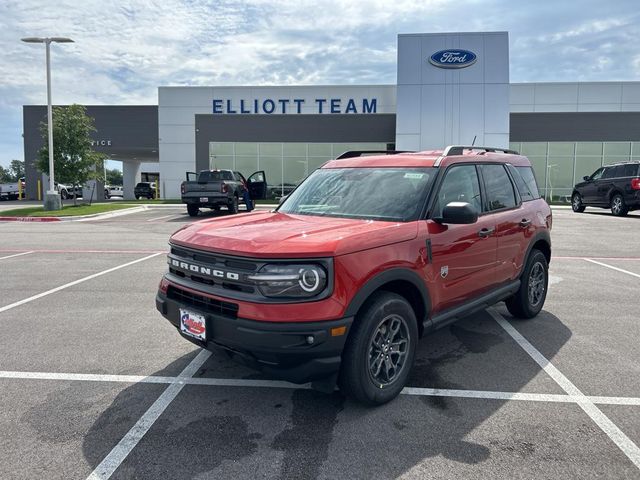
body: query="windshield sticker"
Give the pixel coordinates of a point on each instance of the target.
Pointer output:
(417, 176)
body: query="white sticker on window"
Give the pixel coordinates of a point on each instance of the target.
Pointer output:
(417, 176)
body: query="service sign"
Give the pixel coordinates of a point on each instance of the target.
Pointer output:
(453, 58)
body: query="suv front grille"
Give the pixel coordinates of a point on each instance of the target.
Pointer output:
(202, 303)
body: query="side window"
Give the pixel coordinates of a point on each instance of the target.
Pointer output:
(460, 184)
(530, 179)
(499, 189)
(631, 170)
(597, 174)
(608, 172)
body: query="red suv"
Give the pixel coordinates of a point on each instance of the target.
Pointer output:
(368, 254)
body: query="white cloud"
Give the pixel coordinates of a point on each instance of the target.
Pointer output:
(124, 50)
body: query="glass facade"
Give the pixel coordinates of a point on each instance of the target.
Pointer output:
(560, 165)
(285, 164)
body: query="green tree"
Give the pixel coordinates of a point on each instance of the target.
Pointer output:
(75, 161)
(17, 169)
(114, 176)
(5, 175)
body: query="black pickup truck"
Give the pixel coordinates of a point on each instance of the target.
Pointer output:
(221, 188)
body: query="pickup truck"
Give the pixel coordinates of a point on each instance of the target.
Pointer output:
(221, 188)
(9, 191)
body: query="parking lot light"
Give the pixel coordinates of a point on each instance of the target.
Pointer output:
(52, 199)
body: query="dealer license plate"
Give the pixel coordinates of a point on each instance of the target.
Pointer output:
(193, 324)
(204, 199)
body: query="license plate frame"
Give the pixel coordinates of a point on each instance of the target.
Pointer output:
(193, 324)
(204, 199)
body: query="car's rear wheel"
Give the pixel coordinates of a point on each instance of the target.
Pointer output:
(193, 210)
(529, 299)
(618, 205)
(233, 205)
(64, 194)
(576, 203)
(380, 350)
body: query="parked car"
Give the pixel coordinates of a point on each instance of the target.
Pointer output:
(68, 191)
(615, 186)
(276, 192)
(11, 191)
(145, 190)
(220, 188)
(364, 257)
(113, 191)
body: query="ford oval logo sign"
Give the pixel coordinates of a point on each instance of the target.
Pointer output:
(453, 58)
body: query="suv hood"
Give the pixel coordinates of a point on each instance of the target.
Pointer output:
(279, 235)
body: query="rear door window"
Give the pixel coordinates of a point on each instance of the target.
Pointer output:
(498, 188)
(609, 172)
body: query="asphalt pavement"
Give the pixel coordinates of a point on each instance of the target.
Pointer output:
(96, 384)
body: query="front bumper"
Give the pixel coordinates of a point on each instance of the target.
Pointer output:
(280, 349)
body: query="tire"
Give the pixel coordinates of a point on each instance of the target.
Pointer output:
(193, 210)
(233, 205)
(529, 299)
(576, 203)
(618, 206)
(137, 197)
(369, 334)
(64, 194)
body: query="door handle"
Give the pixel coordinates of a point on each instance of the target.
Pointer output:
(485, 232)
(525, 222)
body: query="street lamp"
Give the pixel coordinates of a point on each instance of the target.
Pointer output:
(52, 199)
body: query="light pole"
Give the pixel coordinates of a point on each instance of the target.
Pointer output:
(51, 199)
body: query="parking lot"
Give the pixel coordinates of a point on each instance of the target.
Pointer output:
(95, 383)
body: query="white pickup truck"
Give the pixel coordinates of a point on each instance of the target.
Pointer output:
(10, 191)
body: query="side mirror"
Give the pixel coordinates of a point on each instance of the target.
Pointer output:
(458, 213)
(586, 178)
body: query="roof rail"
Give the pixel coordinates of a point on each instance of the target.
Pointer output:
(360, 153)
(459, 150)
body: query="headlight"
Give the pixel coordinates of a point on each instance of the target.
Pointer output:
(275, 280)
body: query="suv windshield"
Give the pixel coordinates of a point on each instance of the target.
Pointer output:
(392, 194)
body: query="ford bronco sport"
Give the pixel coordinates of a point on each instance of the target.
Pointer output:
(368, 254)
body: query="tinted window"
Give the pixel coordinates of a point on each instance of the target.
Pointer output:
(597, 174)
(526, 187)
(499, 189)
(142, 185)
(459, 185)
(205, 177)
(631, 170)
(609, 172)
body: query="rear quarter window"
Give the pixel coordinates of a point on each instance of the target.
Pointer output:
(530, 189)
(631, 170)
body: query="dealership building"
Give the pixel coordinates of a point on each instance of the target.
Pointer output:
(452, 88)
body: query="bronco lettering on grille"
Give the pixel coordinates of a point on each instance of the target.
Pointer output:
(204, 270)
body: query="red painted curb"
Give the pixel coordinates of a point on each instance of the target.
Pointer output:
(30, 219)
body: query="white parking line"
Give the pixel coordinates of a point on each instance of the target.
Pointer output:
(623, 442)
(113, 460)
(16, 255)
(164, 216)
(612, 267)
(240, 382)
(75, 282)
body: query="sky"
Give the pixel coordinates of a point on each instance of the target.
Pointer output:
(124, 50)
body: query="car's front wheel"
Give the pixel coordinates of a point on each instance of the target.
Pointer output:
(618, 205)
(380, 350)
(576, 203)
(529, 299)
(64, 194)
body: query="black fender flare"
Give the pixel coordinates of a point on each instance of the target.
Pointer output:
(383, 278)
(543, 235)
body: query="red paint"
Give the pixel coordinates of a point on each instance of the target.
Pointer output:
(30, 219)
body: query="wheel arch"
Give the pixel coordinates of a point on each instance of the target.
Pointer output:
(542, 242)
(401, 281)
